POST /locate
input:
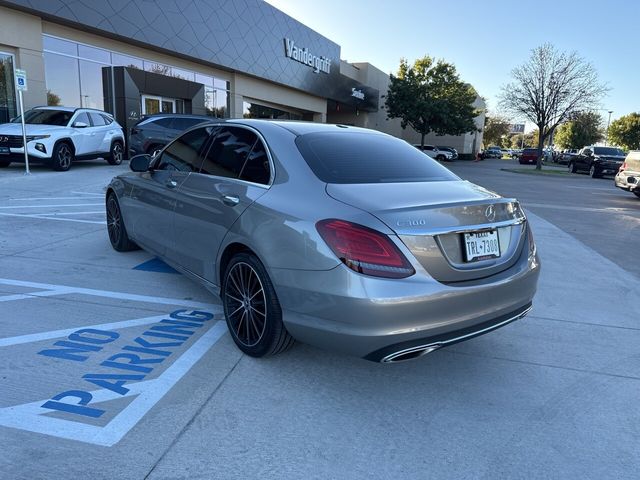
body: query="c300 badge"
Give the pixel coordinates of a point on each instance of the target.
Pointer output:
(420, 222)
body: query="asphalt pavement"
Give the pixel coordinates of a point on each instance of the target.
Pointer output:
(553, 395)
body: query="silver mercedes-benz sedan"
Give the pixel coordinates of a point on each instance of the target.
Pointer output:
(340, 237)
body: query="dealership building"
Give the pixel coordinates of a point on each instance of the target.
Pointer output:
(223, 58)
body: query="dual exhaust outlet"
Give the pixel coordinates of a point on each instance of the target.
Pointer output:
(411, 353)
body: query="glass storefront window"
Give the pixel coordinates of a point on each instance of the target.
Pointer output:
(183, 74)
(126, 61)
(204, 79)
(60, 46)
(155, 67)
(92, 95)
(255, 110)
(97, 54)
(221, 104)
(63, 85)
(7, 89)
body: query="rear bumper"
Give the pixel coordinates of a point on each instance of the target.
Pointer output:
(372, 317)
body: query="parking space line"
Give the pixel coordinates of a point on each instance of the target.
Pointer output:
(66, 289)
(62, 219)
(26, 417)
(44, 293)
(33, 199)
(37, 337)
(68, 213)
(54, 206)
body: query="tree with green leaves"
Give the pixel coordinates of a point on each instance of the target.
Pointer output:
(52, 99)
(429, 97)
(625, 132)
(549, 89)
(496, 130)
(585, 128)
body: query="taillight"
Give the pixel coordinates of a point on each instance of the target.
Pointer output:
(364, 250)
(532, 243)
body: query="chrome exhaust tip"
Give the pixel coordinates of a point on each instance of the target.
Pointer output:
(410, 353)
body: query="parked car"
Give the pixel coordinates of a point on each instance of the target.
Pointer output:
(566, 156)
(308, 231)
(57, 136)
(451, 150)
(492, 152)
(516, 153)
(435, 152)
(528, 155)
(153, 132)
(598, 161)
(628, 177)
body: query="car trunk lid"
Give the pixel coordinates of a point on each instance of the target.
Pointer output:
(438, 222)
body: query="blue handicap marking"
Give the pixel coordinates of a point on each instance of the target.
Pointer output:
(155, 265)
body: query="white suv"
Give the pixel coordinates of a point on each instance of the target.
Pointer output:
(57, 136)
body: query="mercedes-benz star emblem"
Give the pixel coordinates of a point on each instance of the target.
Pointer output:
(4, 139)
(490, 213)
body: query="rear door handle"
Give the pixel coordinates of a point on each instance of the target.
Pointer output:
(230, 200)
(171, 183)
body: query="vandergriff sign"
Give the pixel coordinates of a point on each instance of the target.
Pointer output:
(302, 55)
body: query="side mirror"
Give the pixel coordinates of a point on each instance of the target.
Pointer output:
(140, 163)
(80, 125)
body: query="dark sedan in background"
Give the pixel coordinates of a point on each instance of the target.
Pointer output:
(528, 156)
(308, 231)
(153, 132)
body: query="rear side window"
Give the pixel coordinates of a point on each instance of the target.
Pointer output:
(107, 119)
(184, 154)
(229, 152)
(256, 169)
(354, 157)
(163, 122)
(185, 123)
(97, 120)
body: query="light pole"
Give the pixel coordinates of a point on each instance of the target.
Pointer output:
(606, 141)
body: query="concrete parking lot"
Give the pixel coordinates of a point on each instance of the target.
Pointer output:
(114, 366)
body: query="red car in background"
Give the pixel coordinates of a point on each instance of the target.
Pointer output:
(529, 155)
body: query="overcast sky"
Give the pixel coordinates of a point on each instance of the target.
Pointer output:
(485, 39)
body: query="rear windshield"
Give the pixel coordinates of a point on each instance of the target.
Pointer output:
(608, 151)
(355, 157)
(529, 151)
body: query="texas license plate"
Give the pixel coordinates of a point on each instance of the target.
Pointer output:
(4, 151)
(481, 245)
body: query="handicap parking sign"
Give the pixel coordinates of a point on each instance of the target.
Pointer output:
(21, 80)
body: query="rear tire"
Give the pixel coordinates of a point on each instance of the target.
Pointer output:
(62, 157)
(572, 168)
(251, 307)
(4, 164)
(116, 154)
(115, 227)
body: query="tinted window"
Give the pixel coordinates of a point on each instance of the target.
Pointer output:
(107, 120)
(82, 117)
(163, 122)
(353, 157)
(97, 119)
(184, 153)
(47, 117)
(257, 169)
(185, 123)
(607, 151)
(229, 151)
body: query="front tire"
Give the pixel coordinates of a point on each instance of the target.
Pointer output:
(251, 307)
(593, 171)
(62, 157)
(116, 154)
(115, 227)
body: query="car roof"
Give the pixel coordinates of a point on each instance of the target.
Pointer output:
(302, 128)
(64, 109)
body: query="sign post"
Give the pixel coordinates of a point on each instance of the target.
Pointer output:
(21, 86)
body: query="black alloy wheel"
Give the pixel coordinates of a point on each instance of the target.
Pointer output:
(115, 227)
(594, 172)
(572, 167)
(251, 307)
(116, 155)
(62, 157)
